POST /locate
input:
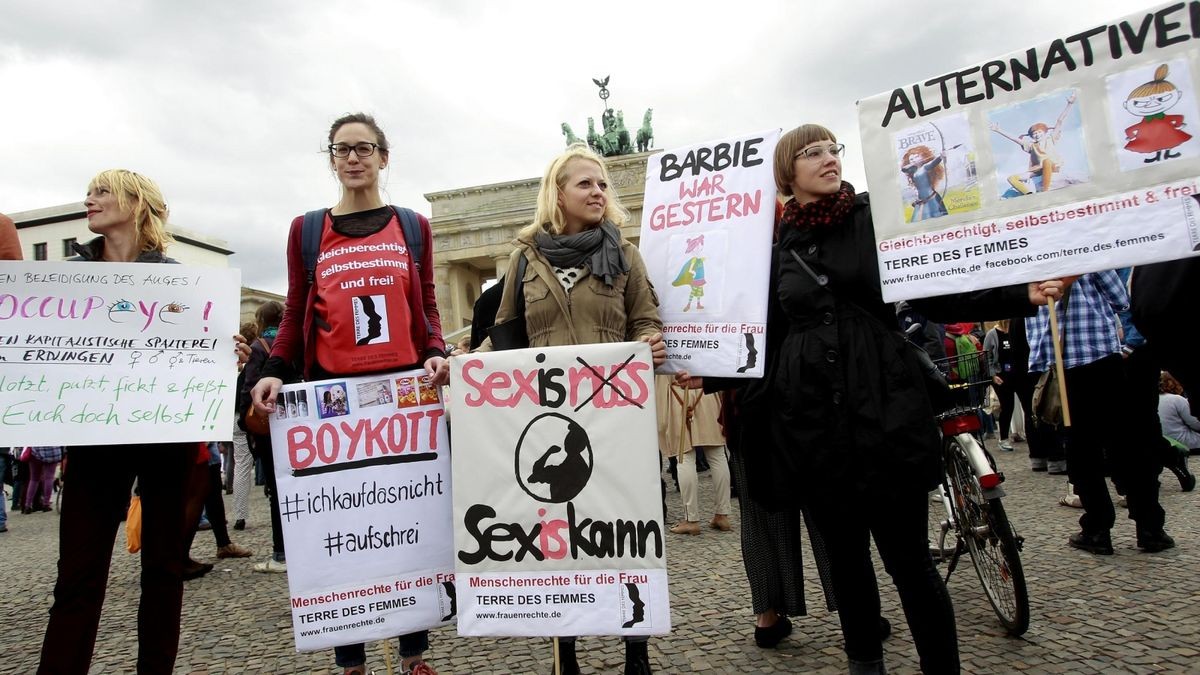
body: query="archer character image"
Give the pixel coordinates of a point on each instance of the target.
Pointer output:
(923, 170)
(1157, 133)
(692, 273)
(1041, 142)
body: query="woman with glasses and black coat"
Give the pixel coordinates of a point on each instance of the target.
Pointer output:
(851, 424)
(323, 333)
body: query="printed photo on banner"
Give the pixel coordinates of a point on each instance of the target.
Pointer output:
(374, 392)
(709, 209)
(97, 355)
(1150, 114)
(365, 503)
(558, 523)
(1038, 145)
(1081, 150)
(332, 398)
(936, 161)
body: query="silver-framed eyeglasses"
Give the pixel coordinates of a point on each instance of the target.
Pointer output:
(341, 150)
(816, 152)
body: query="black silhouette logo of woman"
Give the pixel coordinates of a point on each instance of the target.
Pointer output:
(553, 458)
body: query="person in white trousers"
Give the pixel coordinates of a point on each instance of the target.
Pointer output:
(687, 424)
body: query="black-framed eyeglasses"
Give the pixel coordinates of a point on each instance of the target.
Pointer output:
(363, 149)
(818, 151)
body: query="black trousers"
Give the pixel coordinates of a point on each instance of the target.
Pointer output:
(205, 494)
(900, 527)
(263, 450)
(1019, 385)
(95, 498)
(1106, 434)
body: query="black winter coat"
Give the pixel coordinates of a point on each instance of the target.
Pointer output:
(843, 398)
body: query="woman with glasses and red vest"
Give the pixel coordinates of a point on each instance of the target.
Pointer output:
(366, 305)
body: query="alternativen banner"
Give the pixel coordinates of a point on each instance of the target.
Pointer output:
(109, 353)
(558, 523)
(363, 470)
(1075, 156)
(707, 219)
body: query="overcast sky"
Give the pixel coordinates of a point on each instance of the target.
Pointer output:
(227, 104)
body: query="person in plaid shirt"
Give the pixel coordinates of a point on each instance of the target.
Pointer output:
(1100, 407)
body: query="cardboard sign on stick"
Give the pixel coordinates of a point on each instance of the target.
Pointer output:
(558, 523)
(1074, 156)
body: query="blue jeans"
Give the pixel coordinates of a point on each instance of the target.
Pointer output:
(413, 644)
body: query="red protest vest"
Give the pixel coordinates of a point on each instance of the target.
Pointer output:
(362, 315)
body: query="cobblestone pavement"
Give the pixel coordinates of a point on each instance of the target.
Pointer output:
(1131, 612)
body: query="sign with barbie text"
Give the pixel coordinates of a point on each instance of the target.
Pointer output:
(707, 221)
(109, 353)
(363, 469)
(557, 520)
(1074, 156)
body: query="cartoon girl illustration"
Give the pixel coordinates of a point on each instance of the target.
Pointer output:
(1041, 142)
(924, 169)
(692, 273)
(1158, 132)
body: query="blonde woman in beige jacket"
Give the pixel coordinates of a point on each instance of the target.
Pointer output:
(583, 284)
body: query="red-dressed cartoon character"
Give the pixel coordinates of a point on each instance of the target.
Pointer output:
(1158, 132)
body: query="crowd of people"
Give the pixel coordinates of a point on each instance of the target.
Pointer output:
(837, 438)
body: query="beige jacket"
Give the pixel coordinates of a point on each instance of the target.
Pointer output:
(592, 313)
(675, 405)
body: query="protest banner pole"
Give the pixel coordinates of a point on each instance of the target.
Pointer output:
(557, 662)
(1058, 365)
(387, 656)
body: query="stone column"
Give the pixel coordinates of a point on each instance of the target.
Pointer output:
(441, 284)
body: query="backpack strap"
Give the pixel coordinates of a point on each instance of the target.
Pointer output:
(310, 241)
(414, 238)
(519, 307)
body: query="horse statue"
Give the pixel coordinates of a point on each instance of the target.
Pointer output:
(645, 135)
(572, 139)
(624, 147)
(593, 140)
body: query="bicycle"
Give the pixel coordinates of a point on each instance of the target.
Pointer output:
(970, 495)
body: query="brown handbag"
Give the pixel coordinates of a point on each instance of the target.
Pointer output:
(252, 421)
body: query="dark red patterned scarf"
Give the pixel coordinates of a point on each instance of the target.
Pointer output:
(827, 211)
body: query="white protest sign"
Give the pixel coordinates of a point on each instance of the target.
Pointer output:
(1074, 156)
(558, 523)
(363, 469)
(707, 220)
(110, 353)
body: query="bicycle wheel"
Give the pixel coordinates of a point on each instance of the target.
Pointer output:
(989, 537)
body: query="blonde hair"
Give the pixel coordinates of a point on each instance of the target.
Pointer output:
(1158, 85)
(142, 197)
(549, 216)
(785, 152)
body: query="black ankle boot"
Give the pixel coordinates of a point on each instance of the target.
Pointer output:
(1187, 481)
(637, 659)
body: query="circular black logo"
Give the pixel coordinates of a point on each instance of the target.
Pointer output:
(553, 458)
